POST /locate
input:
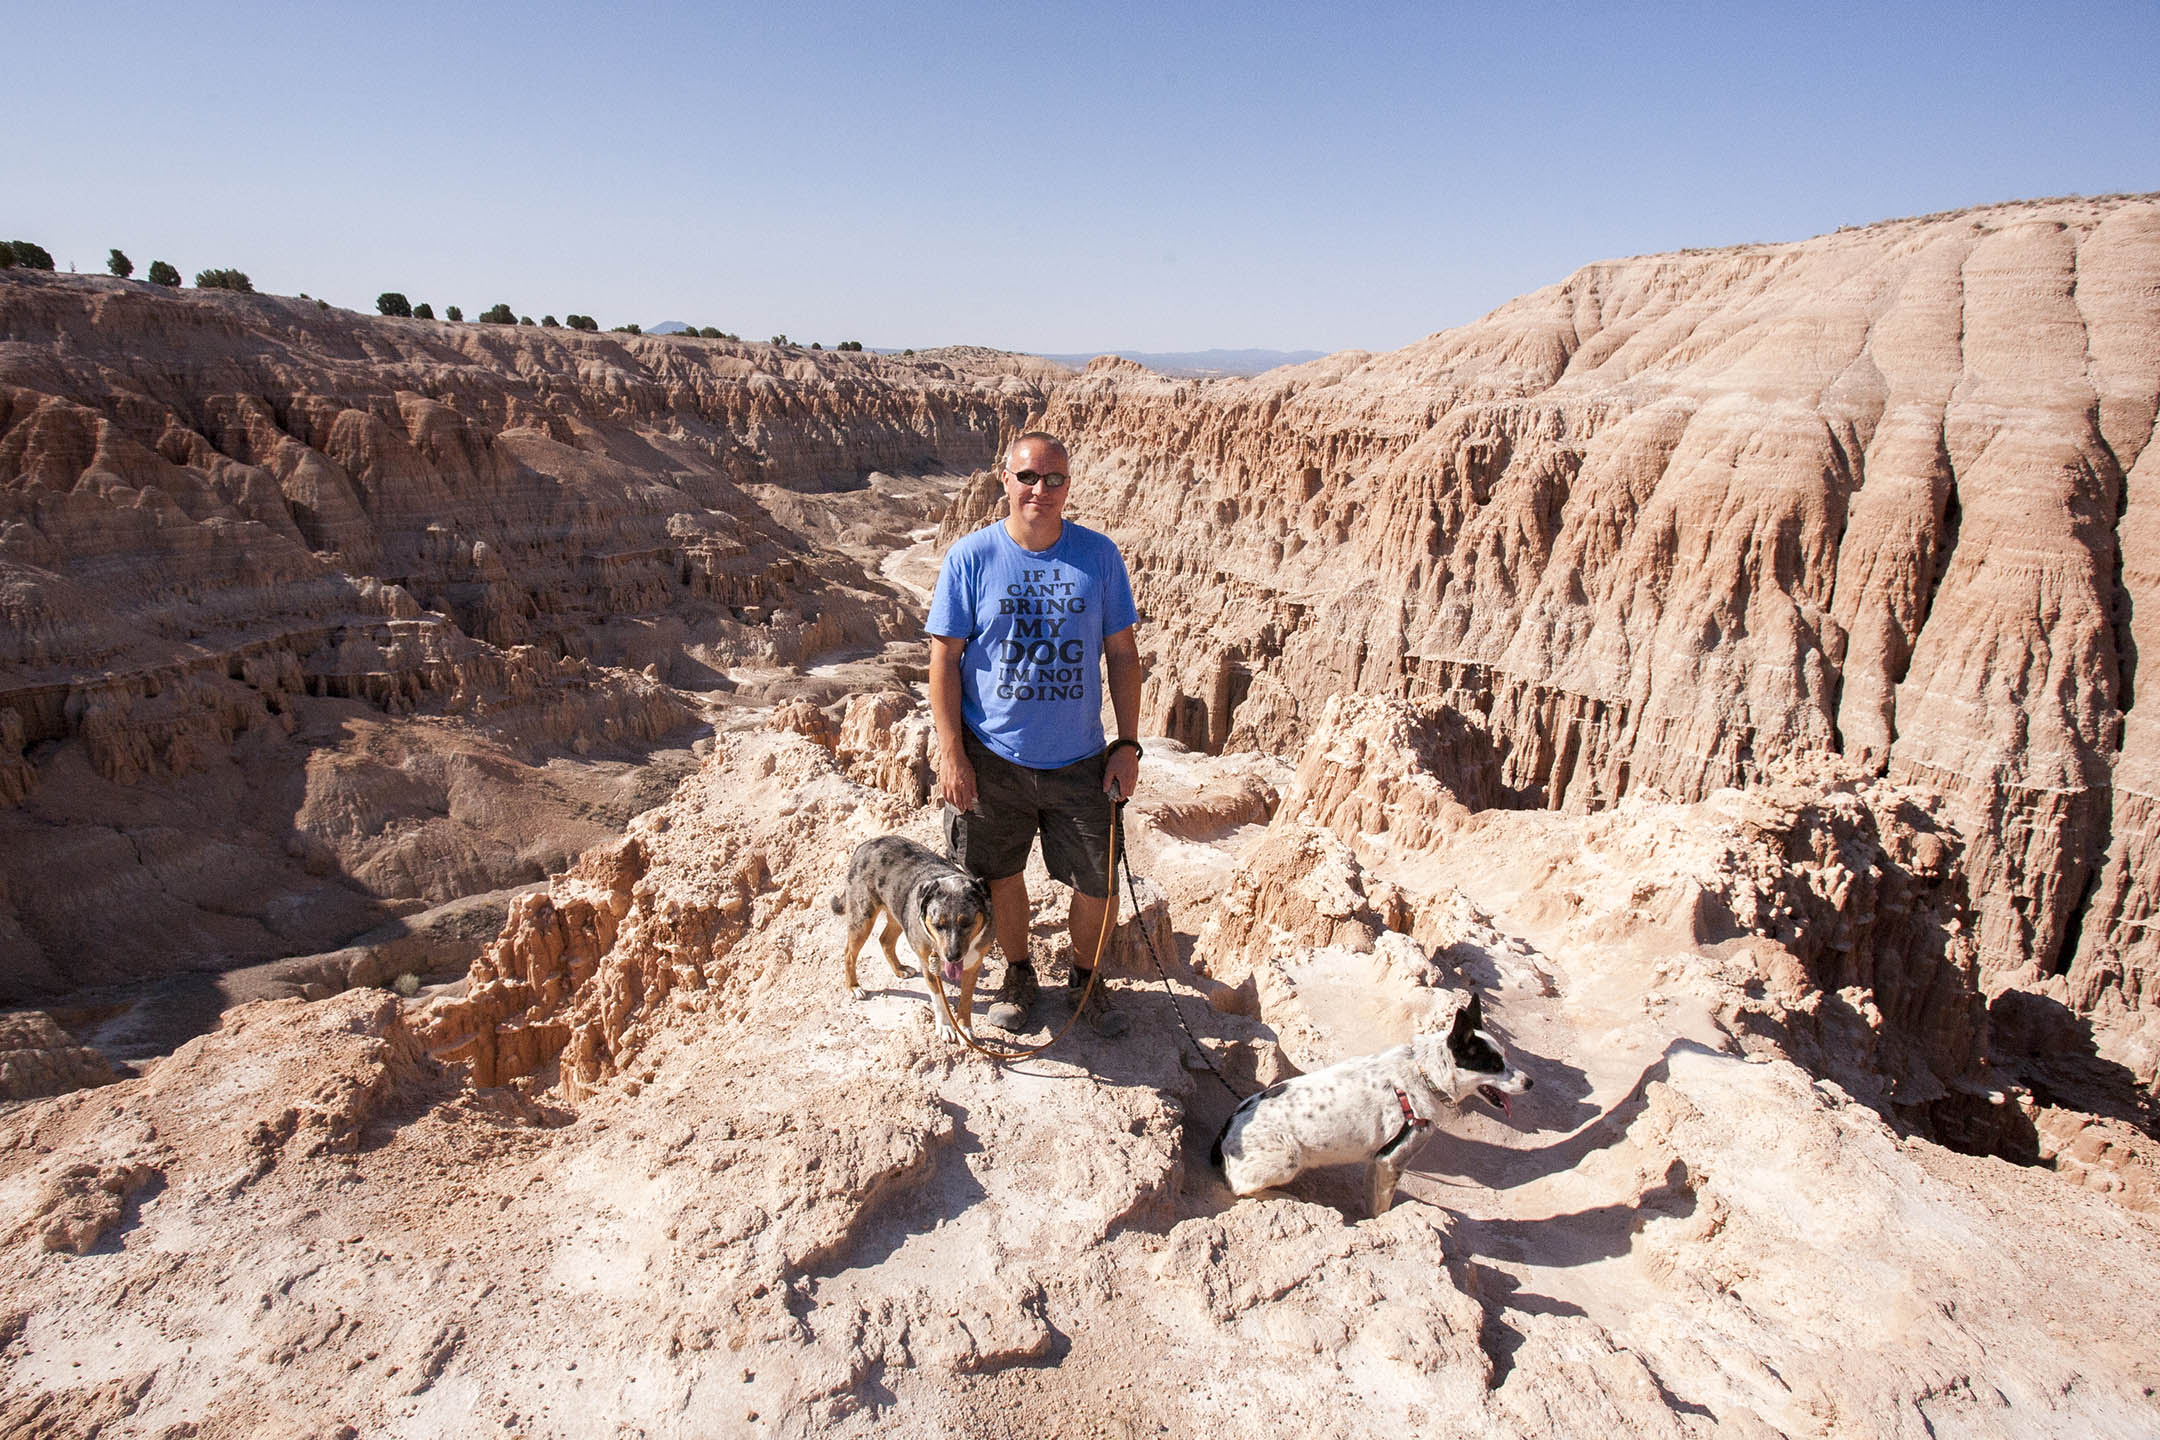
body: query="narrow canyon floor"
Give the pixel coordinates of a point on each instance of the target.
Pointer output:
(711, 1194)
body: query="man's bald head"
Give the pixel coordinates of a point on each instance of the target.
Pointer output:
(1040, 451)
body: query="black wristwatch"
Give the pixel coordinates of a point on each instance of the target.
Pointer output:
(1116, 745)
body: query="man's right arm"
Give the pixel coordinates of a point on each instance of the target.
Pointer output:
(956, 777)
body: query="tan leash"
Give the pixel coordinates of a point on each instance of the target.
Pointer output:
(1102, 943)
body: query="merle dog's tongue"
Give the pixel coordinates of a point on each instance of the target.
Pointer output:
(952, 972)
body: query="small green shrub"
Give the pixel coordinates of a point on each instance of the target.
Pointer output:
(907, 352)
(453, 313)
(498, 315)
(525, 320)
(423, 311)
(630, 329)
(582, 322)
(708, 332)
(849, 345)
(390, 302)
(234, 280)
(161, 273)
(781, 340)
(119, 264)
(27, 254)
(547, 322)
(815, 346)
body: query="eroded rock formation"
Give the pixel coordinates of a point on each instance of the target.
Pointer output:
(1824, 910)
(38, 1058)
(1667, 658)
(721, 1196)
(220, 514)
(1887, 494)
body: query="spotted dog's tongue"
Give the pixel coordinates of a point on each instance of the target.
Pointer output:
(1499, 1098)
(952, 972)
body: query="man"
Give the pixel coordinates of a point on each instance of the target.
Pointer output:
(1027, 615)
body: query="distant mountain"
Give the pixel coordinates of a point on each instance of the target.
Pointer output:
(668, 327)
(1200, 364)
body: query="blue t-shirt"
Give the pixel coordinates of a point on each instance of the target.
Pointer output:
(1034, 622)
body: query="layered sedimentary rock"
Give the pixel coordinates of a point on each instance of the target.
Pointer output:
(192, 468)
(1888, 493)
(234, 530)
(37, 1058)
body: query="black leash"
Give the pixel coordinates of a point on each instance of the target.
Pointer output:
(1132, 889)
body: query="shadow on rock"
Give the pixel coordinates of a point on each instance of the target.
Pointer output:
(946, 1193)
(1501, 1167)
(1583, 1237)
(2047, 1047)
(1499, 1292)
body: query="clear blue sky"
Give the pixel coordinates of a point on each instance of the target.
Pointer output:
(1039, 177)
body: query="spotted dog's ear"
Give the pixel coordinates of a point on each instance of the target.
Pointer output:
(1470, 1017)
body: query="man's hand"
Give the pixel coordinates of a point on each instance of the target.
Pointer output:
(955, 778)
(1121, 657)
(1121, 775)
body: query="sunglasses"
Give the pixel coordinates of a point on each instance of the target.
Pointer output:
(1050, 481)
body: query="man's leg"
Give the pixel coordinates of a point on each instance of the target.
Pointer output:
(1084, 923)
(1076, 849)
(1016, 992)
(993, 840)
(1009, 907)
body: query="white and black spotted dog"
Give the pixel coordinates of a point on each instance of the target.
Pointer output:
(943, 910)
(1375, 1108)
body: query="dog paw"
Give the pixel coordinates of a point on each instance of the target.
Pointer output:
(859, 993)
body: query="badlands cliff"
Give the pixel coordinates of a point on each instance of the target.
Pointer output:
(1724, 662)
(246, 543)
(1886, 494)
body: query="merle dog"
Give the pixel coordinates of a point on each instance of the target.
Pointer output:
(943, 910)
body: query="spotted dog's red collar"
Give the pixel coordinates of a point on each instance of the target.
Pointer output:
(1415, 1120)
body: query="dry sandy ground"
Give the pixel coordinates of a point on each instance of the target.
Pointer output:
(791, 1213)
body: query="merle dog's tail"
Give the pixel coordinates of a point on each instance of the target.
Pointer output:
(838, 903)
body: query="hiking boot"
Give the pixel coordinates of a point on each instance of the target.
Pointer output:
(1014, 999)
(1099, 1016)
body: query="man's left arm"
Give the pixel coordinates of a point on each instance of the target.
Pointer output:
(1121, 656)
